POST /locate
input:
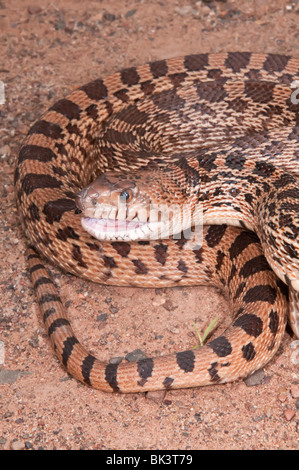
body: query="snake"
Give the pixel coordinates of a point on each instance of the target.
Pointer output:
(212, 137)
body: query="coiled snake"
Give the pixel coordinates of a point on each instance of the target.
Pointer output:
(219, 130)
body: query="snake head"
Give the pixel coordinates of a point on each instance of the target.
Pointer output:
(138, 206)
(107, 193)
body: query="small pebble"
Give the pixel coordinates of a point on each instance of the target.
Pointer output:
(256, 378)
(108, 16)
(289, 414)
(159, 301)
(135, 355)
(173, 330)
(34, 9)
(295, 391)
(156, 396)
(102, 317)
(131, 13)
(116, 360)
(282, 396)
(18, 445)
(96, 18)
(168, 305)
(186, 10)
(113, 309)
(34, 341)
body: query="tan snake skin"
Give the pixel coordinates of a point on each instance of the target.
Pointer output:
(226, 120)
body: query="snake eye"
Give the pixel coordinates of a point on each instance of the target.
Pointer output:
(126, 195)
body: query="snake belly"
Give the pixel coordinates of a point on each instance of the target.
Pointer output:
(159, 113)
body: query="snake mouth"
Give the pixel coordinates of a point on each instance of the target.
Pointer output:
(125, 230)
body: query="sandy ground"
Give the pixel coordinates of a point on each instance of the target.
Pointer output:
(47, 49)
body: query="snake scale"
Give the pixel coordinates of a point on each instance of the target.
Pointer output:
(216, 129)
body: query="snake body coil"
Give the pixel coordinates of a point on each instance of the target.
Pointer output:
(220, 128)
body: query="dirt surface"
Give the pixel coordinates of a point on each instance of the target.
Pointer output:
(47, 49)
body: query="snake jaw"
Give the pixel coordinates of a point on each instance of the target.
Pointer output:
(158, 224)
(132, 223)
(124, 230)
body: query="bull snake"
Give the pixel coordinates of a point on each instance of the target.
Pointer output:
(219, 129)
